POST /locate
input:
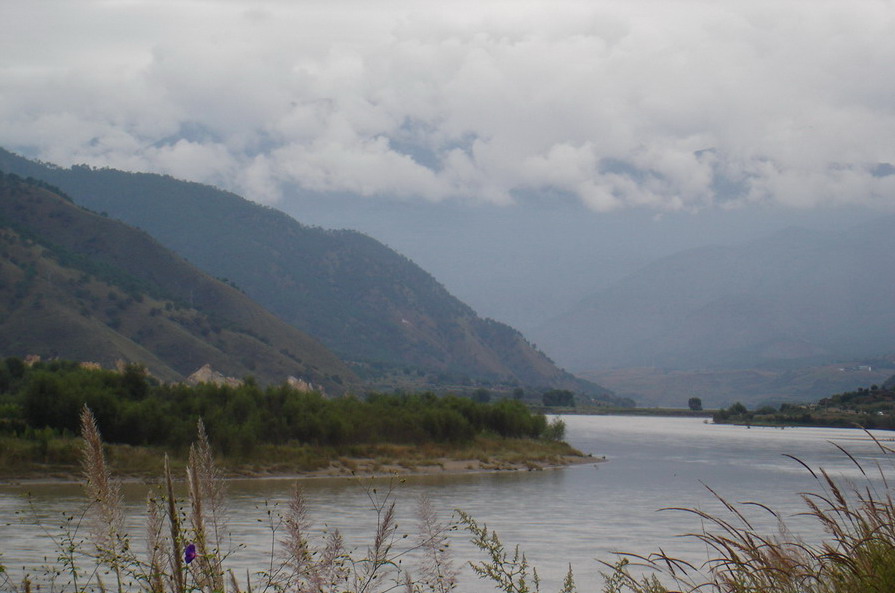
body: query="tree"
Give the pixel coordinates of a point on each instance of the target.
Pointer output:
(559, 398)
(695, 404)
(738, 409)
(481, 395)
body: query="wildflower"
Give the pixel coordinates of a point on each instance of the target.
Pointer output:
(190, 553)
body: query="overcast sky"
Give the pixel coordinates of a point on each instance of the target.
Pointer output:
(667, 105)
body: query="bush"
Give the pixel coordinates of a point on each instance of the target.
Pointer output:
(136, 411)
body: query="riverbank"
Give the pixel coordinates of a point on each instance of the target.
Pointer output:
(62, 463)
(616, 411)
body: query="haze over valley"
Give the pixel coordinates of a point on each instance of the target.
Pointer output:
(401, 275)
(642, 198)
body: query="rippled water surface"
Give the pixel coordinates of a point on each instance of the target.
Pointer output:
(573, 515)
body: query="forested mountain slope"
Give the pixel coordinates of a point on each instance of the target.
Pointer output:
(80, 286)
(366, 302)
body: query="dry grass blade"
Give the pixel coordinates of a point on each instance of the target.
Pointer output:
(762, 506)
(730, 507)
(849, 455)
(304, 574)
(104, 493)
(436, 570)
(207, 511)
(156, 547)
(176, 556)
(886, 450)
(802, 463)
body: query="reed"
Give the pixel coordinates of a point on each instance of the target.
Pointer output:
(437, 570)
(187, 541)
(176, 558)
(187, 544)
(104, 494)
(858, 555)
(207, 513)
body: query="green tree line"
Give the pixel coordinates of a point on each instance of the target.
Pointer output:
(867, 408)
(135, 409)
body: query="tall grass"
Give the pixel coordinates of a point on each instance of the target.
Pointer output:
(187, 541)
(857, 556)
(188, 544)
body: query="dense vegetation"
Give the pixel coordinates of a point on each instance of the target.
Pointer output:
(189, 544)
(867, 408)
(135, 410)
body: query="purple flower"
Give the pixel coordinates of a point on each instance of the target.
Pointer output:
(190, 553)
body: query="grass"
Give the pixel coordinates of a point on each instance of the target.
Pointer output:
(188, 541)
(59, 457)
(857, 555)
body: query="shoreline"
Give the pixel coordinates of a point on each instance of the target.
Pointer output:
(343, 468)
(369, 468)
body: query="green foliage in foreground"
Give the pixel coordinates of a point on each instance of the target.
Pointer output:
(867, 408)
(135, 410)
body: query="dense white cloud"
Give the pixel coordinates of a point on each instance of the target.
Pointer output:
(663, 104)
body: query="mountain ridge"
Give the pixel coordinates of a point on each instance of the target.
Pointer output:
(82, 286)
(366, 302)
(796, 296)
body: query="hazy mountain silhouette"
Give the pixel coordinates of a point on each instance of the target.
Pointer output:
(796, 297)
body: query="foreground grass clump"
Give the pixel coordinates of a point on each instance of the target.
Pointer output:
(188, 542)
(189, 545)
(857, 557)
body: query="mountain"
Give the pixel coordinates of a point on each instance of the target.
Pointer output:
(754, 387)
(369, 304)
(794, 298)
(80, 286)
(890, 383)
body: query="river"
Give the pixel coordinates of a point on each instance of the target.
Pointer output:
(575, 515)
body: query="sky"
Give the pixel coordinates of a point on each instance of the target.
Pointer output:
(524, 152)
(663, 105)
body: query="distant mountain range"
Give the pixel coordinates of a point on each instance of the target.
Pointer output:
(795, 298)
(80, 286)
(373, 307)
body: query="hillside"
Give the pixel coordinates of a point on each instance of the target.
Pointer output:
(77, 285)
(755, 387)
(366, 302)
(870, 408)
(795, 298)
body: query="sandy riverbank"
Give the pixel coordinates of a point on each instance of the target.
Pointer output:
(343, 467)
(374, 468)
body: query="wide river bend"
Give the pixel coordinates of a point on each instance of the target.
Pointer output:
(575, 515)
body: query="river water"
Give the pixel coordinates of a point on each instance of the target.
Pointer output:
(575, 515)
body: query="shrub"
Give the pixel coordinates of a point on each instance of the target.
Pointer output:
(188, 548)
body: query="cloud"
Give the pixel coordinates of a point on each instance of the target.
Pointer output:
(666, 105)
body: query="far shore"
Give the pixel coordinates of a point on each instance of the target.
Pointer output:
(371, 468)
(501, 456)
(614, 411)
(343, 468)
